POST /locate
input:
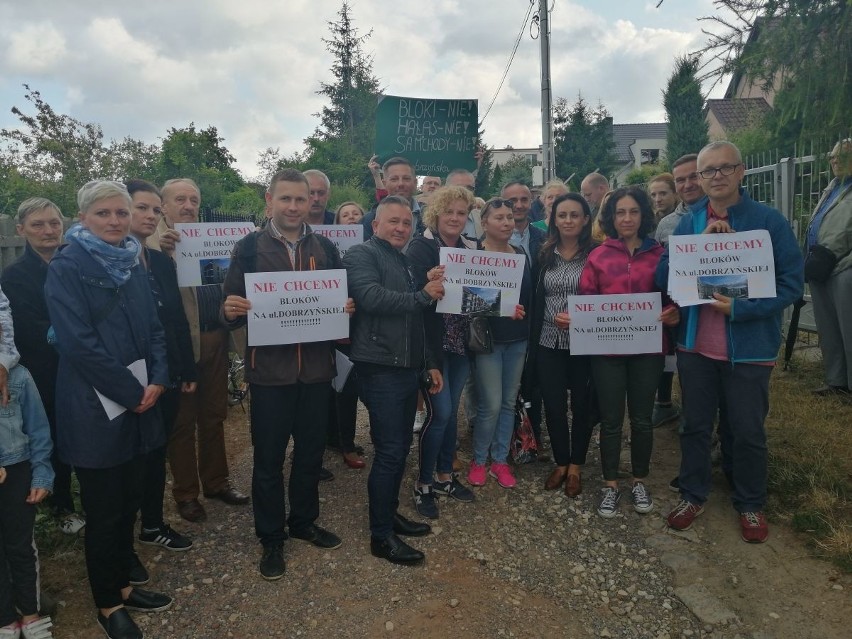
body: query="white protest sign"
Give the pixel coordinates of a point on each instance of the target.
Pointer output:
(737, 265)
(481, 282)
(290, 307)
(203, 254)
(343, 236)
(615, 324)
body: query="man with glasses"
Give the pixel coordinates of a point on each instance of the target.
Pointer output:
(727, 348)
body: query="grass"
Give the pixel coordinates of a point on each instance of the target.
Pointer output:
(810, 460)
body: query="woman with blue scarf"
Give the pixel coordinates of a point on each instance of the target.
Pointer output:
(112, 370)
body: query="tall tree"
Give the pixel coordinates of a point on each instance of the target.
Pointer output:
(684, 103)
(516, 169)
(484, 176)
(583, 139)
(802, 47)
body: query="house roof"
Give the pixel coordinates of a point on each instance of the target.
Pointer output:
(735, 114)
(626, 134)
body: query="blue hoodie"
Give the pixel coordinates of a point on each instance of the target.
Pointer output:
(754, 326)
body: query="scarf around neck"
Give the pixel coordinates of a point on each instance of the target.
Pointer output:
(116, 260)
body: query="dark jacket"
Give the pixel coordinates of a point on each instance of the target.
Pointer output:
(387, 327)
(423, 254)
(537, 238)
(283, 364)
(167, 298)
(23, 283)
(416, 211)
(96, 355)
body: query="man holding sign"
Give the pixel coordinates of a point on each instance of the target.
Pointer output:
(728, 347)
(289, 382)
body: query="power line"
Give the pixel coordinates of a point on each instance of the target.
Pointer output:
(509, 64)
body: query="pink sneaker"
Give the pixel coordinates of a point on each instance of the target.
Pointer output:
(503, 474)
(476, 474)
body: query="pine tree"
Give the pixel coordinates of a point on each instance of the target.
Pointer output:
(684, 103)
(583, 139)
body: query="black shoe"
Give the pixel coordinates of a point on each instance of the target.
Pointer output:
(138, 574)
(166, 537)
(674, 485)
(272, 564)
(453, 488)
(147, 601)
(425, 503)
(325, 474)
(119, 625)
(319, 537)
(395, 551)
(408, 528)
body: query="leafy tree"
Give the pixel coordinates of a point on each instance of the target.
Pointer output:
(684, 103)
(131, 158)
(583, 139)
(349, 192)
(516, 169)
(803, 45)
(642, 175)
(243, 201)
(497, 180)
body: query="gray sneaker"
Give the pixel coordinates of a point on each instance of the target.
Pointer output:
(425, 502)
(609, 502)
(642, 502)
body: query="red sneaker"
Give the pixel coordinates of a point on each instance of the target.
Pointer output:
(503, 474)
(683, 515)
(477, 474)
(754, 527)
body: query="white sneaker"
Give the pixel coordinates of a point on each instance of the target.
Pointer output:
(419, 418)
(72, 524)
(38, 629)
(12, 631)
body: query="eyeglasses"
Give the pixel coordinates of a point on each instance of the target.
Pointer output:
(725, 170)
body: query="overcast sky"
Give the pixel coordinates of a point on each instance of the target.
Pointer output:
(252, 67)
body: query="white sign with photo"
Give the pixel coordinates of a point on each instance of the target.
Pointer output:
(736, 265)
(615, 324)
(203, 254)
(482, 282)
(343, 236)
(291, 307)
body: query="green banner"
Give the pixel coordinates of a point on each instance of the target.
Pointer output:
(436, 136)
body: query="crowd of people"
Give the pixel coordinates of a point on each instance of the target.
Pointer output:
(131, 369)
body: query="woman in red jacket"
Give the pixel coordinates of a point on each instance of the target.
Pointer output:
(626, 263)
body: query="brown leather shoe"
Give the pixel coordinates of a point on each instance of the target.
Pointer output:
(191, 510)
(573, 485)
(556, 478)
(230, 496)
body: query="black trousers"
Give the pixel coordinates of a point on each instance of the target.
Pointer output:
(154, 480)
(558, 373)
(111, 498)
(277, 412)
(342, 416)
(19, 571)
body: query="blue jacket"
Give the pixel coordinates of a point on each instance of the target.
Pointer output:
(95, 355)
(754, 326)
(24, 430)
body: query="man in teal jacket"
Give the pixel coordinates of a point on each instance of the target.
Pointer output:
(728, 348)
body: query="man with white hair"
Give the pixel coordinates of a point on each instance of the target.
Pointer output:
(320, 192)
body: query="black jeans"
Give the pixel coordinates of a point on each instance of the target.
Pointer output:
(277, 412)
(60, 499)
(634, 377)
(558, 373)
(19, 571)
(391, 399)
(154, 481)
(111, 498)
(343, 414)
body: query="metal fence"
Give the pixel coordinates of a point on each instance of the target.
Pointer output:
(792, 185)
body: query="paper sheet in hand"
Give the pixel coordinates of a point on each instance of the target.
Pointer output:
(114, 409)
(344, 369)
(481, 282)
(615, 324)
(203, 254)
(343, 236)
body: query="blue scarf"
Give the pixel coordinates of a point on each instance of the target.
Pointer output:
(116, 260)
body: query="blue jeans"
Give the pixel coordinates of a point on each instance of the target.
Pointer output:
(438, 436)
(391, 400)
(744, 389)
(498, 380)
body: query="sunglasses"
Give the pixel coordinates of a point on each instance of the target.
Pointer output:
(498, 203)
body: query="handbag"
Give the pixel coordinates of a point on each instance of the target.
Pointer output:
(479, 339)
(819, 263)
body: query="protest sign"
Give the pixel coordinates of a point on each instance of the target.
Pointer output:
(203, 254)
(343, 236)
(481, 282)
(615, 324)
(436, 136)
(290, 307)
(737, 265)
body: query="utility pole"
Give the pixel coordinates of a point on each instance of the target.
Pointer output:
(546, 95)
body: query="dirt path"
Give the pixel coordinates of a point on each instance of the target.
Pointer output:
(520, 563)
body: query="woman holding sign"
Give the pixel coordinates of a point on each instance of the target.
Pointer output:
(563, 256)
(625, 263)
(498, 374)
(112, 369)
(445, 219)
